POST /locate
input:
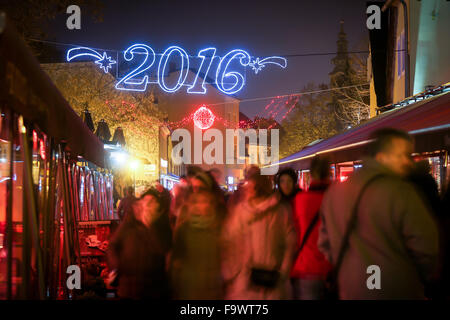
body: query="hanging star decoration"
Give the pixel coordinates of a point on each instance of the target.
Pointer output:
(105, 62)
(258, 64)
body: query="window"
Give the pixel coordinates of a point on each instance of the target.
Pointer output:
(401, 54)
(399, 57)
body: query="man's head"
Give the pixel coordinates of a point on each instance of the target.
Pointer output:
(393, 149)
(320, 168)
(129, 191)
(256, 184)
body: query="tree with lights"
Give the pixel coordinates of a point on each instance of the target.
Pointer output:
(311, 119)
(351, 104)
(83, 85)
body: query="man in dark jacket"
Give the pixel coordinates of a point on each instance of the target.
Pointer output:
(126, 203)
(393, 248)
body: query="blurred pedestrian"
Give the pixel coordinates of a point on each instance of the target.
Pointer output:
(179, 194)
(126, 203)
(195, 261)
(379, 227)
(139, 248)
(286, 182)
(311, 267)
(259, 243)
(426, 186)
(445, 227)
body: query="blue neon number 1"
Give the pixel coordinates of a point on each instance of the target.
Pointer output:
(198, 87)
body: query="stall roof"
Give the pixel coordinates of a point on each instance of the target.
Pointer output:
(27, 89)
(427, 120)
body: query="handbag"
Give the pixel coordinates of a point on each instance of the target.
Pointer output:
(264, 278)
(331, 283)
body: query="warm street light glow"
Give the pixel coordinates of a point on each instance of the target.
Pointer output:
(134, 164)
(119, 157)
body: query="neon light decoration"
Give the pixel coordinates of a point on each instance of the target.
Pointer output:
(202, 54)
(184, 68)
(257, 65)
(126, 83)
(221, 74)
(103, 61)
(204, 118)
(227, 80)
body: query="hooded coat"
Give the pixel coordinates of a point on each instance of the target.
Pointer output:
(394, 231)
(261, 236)
(139, 254)
(195, 261)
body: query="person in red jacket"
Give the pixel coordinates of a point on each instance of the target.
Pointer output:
(311, 267)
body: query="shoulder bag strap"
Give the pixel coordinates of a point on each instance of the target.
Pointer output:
(308, 232)
(351, 224)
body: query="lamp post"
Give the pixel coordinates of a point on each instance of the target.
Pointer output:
(134, 165)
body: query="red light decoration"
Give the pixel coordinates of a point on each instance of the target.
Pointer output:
(42, 149)
(204, 118)
(35, 139)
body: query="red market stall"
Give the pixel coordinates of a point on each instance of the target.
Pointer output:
(52, 177)
(426, 116)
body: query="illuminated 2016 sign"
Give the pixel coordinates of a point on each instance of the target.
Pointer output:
(226, 80)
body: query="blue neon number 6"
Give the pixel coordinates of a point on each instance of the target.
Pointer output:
(183, 72)
(221, 74)
(125, 83)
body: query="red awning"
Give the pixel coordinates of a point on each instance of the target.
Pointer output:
(26, 88)
(427, 120)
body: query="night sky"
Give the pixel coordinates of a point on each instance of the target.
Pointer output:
(263, 28)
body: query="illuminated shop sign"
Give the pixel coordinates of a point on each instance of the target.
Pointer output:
(226, 72)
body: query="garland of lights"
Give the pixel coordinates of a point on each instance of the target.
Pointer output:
(203, 118)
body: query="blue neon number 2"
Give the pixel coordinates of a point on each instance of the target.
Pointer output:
(126, 83)
(198, 87)
(221, 74)
(163, 64)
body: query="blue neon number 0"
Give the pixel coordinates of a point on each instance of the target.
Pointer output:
(126, 82)
(221, 74)
(183, 72)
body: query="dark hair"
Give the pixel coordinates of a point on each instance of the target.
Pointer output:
(382, 140)
(263, 185)
(287, 171)
(320, 168)
(163, 202)
(193, 170)
(130, 190)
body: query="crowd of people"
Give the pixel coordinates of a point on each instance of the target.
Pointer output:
(271, 240)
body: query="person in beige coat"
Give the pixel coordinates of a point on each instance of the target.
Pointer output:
(393, 231)
(259, 235)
